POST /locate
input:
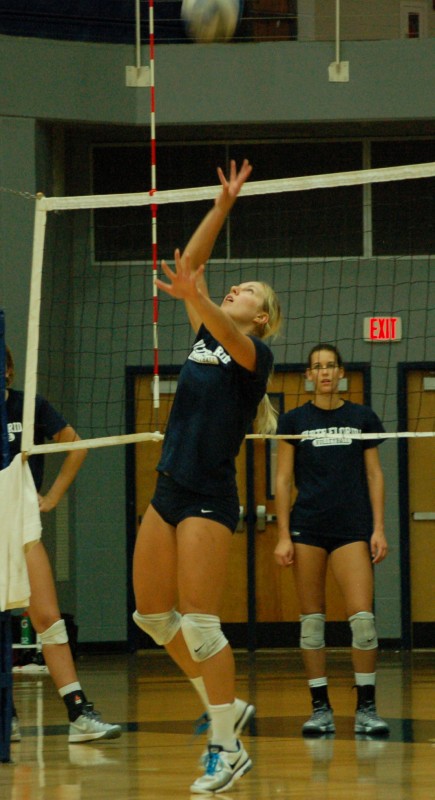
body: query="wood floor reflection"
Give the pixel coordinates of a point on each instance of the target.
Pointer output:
(157, 756)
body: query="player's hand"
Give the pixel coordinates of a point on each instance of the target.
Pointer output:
(378, 547)
(284, 552)
(184, 284)
(45, 503)
(232, 186)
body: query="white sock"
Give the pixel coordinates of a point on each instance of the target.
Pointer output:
(70, 687)
(223, 718)
(365, 678)
(313, 682)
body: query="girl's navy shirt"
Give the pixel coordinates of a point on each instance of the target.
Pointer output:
(48, 422)
(330, 477)
(215, 403)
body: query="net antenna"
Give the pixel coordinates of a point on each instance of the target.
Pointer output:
(145, 76)
(44, 206)
(154, 207)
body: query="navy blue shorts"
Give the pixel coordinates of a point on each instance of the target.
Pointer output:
(328, 543)
(175, 503)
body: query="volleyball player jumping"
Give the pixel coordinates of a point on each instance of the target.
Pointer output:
(184, 540)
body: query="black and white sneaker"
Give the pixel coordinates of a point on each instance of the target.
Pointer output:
(369, 722)
(320, 722)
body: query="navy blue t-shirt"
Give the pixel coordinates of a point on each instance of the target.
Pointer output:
(48, 422)
(215, 403)
(333, 497)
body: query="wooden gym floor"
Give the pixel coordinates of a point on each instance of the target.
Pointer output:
(156, 757)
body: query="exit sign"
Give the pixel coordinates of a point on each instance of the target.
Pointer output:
(382, 329)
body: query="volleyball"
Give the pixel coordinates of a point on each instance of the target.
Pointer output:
(210, 20)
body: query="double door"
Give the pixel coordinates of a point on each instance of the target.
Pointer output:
(417, 487)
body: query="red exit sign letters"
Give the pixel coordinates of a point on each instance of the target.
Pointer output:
(382, 329)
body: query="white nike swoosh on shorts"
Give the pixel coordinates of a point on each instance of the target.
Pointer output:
(206, 511)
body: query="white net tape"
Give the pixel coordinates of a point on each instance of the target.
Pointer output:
(353, 178)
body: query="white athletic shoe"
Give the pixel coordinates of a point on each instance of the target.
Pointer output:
(88, 727)
(223, 768)
(15, 730)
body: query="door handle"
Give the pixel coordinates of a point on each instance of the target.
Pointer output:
(423, 516)
(263, 518)
(260, 512)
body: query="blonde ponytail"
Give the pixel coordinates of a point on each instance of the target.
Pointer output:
(266, 420)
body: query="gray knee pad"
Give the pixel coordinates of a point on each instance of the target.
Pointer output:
(203, 635)
(55, 634)
(312, 631)
(363, 631)
(161, 627)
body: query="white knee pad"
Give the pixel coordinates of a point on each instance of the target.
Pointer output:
(312, 631)
(161, 627)
(55, 634)
(363, 631)
(203, 635)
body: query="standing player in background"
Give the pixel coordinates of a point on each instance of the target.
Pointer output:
(85, 723)
(338, 517)
(183, 544)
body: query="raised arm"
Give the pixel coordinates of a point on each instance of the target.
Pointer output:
(201, 243)
(186, 285)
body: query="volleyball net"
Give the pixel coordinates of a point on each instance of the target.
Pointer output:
(346, 253)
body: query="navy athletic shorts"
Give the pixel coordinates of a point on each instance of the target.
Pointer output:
(175, 503)
(328, 543)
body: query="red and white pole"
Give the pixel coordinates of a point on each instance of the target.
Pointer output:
(156, 393)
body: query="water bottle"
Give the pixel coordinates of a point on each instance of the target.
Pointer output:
(26, 629)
